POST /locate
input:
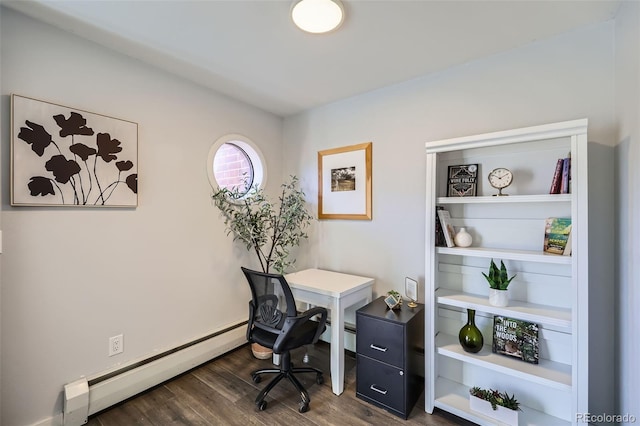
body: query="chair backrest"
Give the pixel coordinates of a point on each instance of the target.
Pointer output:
(271, 300)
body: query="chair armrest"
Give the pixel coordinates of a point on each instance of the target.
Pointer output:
(321, 322)
(291, 323)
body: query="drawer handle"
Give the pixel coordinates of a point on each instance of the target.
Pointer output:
(374, 388)
(377, 348)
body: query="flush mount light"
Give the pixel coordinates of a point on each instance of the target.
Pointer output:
(317, 16)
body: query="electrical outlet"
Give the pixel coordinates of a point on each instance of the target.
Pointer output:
(116, 345)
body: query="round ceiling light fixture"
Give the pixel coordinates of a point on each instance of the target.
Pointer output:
(317, 16)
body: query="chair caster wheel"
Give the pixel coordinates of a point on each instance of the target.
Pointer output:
(319, 379)
(304, 407)
(262, 405)
(256, 378)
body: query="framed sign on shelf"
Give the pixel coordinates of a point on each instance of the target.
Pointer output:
(344, 182)
(462, 180)
(411, 291)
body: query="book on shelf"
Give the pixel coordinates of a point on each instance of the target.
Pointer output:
(566, 176)
(462, 181)
(556, 182)
(440, 240)
(515, 338)
(557, 235)
(447, 227)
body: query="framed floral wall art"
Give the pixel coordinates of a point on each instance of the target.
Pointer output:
(344, 182)
(62, 156)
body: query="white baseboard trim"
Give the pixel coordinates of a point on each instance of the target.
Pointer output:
(109, 388)
(122, 386)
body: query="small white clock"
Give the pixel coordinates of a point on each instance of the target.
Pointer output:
(500, 178)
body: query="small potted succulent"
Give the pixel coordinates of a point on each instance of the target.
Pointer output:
(498, 284)
(393, 299)
(495, 404)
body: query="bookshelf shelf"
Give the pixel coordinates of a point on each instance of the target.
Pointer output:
(523, 255)
(548, 373)
(543, 314)
(454, 398)
(540, 198)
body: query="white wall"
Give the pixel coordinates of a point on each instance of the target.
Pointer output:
(567, 77)
(627, 62)
(162, 274)
(156, 272)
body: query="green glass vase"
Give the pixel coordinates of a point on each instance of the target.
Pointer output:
(470, 336)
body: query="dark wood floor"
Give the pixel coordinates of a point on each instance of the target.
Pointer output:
(221, 392)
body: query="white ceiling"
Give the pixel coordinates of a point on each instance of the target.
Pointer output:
(251, 51)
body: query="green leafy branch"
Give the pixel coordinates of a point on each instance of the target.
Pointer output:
(270, 230)
(496, 398)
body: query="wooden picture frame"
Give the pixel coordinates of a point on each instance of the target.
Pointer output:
(63, 156)
(344, 182)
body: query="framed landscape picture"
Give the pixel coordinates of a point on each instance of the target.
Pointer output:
(344, 182)
(462, 180)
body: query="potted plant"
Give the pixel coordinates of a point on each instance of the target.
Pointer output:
(268, 229)
(393, 299)
(495, 404)
(498, 284)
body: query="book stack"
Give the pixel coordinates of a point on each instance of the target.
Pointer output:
(561, 182)
(440, 240)
(446, 227)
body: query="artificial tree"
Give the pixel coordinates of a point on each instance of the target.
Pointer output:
(268, 229)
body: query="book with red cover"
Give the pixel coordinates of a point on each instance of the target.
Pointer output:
(557, 177)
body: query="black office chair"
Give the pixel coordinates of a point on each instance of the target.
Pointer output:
(275, 323)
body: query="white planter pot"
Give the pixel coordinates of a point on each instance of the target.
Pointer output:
(504, 415)
(498, 297)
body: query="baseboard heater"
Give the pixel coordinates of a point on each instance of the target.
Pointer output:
(91, 395)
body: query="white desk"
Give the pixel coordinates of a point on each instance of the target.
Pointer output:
(336, 292)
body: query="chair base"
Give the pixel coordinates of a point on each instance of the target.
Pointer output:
(286, 371)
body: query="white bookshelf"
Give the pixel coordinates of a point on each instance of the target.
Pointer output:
(510, 229)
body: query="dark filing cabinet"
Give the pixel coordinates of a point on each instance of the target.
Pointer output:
(389, 350)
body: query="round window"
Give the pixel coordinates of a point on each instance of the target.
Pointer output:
(235, 163)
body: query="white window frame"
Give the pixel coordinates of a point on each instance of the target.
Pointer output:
(251, 149)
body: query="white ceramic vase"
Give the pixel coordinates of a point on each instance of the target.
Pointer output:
(463, 238)
(498, 297)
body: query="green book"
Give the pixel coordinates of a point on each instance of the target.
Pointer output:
(557, 235)
(515, 338)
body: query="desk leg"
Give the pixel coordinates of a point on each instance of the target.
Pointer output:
(337, 347)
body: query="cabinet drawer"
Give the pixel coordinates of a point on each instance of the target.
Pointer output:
(381, 383)
(381, 340)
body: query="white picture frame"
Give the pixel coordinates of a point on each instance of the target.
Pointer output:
(411, 291)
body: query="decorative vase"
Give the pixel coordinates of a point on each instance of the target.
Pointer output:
(463, 238)
(498, 297)
(470, 336)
